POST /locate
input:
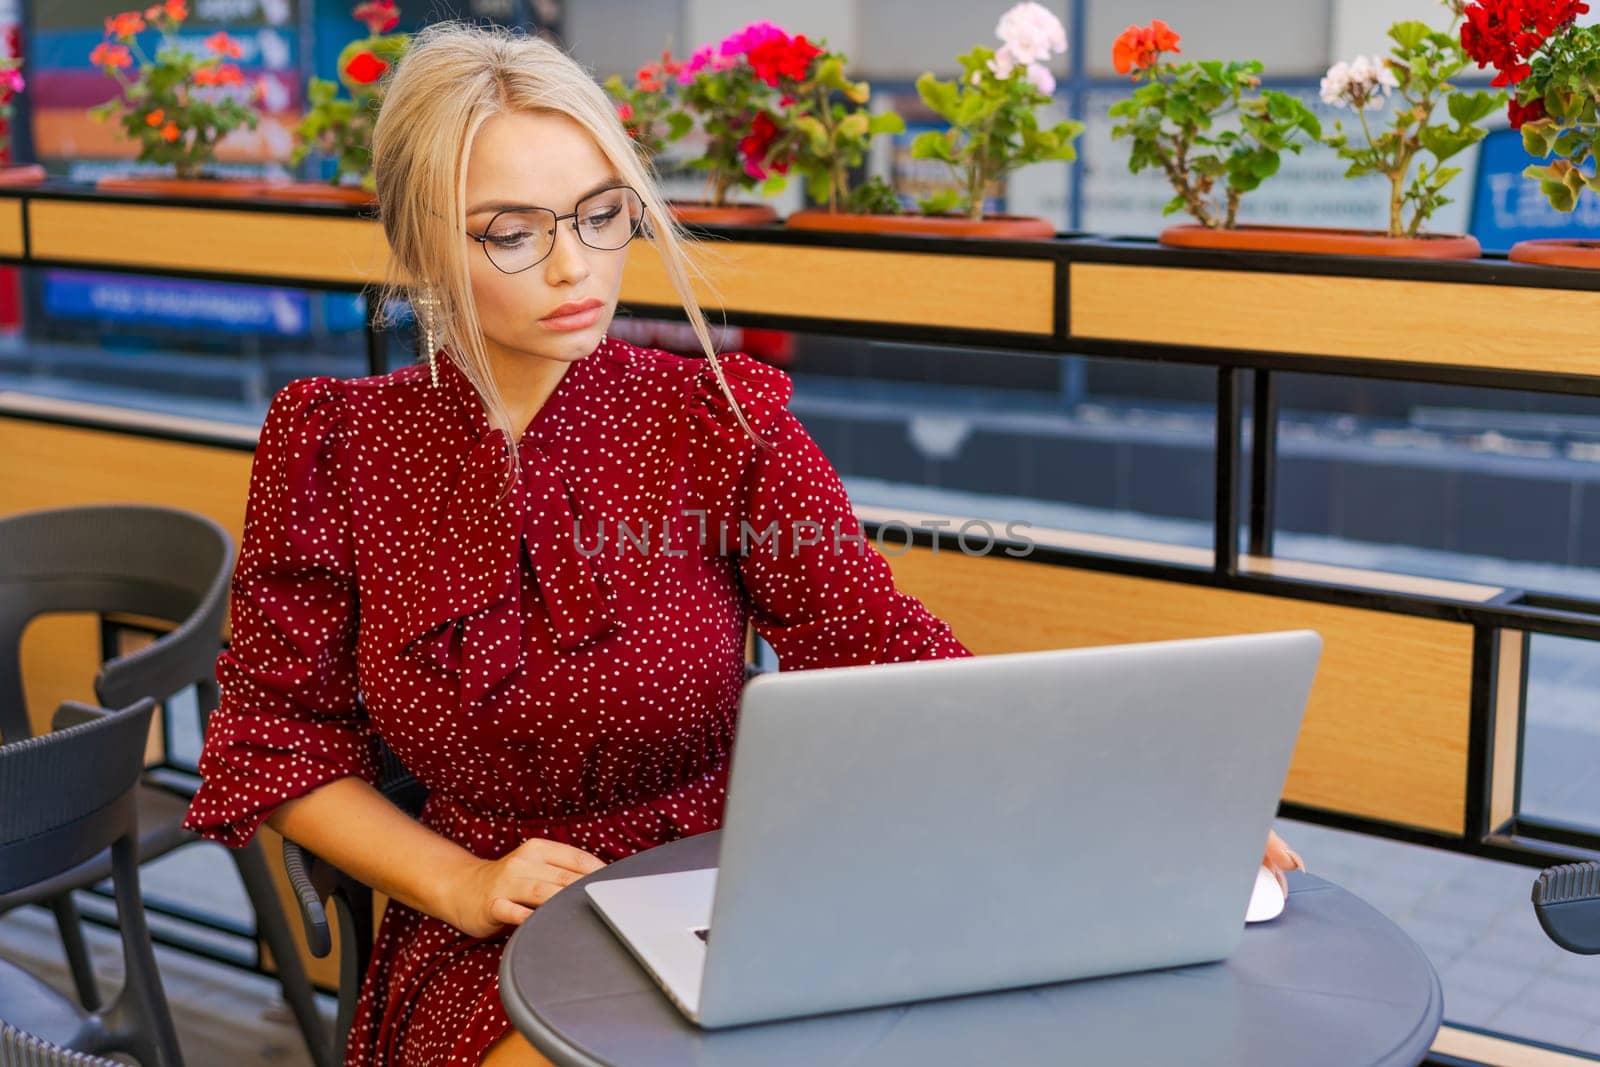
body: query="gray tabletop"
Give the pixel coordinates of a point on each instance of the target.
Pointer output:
(1330, 981)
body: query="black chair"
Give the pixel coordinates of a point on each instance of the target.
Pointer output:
(1567, 901)
(19, 1049)
(318, 883)
(65, 797)
(160, 563)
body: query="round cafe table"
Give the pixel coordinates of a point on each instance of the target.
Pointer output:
(1330, 981)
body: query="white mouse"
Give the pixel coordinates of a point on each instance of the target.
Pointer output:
(1266, 900)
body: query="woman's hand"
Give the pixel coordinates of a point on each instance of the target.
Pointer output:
(1279, 858)
(491, 894)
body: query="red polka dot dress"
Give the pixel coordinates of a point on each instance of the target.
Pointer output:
(561, 659)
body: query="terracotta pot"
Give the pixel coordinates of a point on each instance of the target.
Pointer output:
(1020, 227)
(698, 212)
(1558, 252)
(1323, 241)
(217, 188)
(24, 174)
(318, 192)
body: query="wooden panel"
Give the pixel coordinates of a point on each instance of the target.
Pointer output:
(1453, 324)
(1500, 1051)
(1385, 734)
(60, 655)
(209, 240)
(52, 466)
(1331, 574)
(911, 288)
(1508, 707)
(11, 242)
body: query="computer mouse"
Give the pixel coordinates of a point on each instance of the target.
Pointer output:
(1266, 900)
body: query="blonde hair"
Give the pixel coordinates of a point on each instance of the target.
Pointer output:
(452, 79)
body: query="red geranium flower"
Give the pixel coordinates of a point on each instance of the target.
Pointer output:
(755, 145)
(177, 10)
(1532, 111)
(1506, 33)
(223, 45)
(365, 68)
(777, 57)
(1138, 47)
(170, 132)
(155, 118)
(106, 54)
(381, 16)
(125, 25)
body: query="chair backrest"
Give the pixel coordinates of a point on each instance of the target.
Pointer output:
(159, 562)
(67, 795)
(18, 1049)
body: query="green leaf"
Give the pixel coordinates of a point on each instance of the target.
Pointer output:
(942, 202)
(932, 144)
(886, 122)
(1469, 108)
(1561, 198)
(1444, 142)
(942, 97)
(1538, 138)
(1408, 35)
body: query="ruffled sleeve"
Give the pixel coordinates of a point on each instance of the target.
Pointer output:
(288, 719)
(820, 593)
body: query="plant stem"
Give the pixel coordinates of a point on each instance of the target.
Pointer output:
(1176, 164)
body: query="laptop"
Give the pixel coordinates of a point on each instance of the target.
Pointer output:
(904, 831)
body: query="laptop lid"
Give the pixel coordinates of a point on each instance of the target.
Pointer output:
(895, 832)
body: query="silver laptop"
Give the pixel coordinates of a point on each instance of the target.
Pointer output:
(903, 831)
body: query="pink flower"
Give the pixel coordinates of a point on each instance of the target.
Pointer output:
(1005, 61)
(707, 57)
(1031, 33)
(753, 35)
(11, 80)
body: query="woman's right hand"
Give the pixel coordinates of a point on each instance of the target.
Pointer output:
(492, 894)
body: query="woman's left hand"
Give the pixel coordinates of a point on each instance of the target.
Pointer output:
(1280, 857)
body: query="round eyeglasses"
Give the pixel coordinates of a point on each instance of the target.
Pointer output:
(519, 238)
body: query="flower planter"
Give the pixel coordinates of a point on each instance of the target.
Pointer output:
(1323, 241)
(1016, 227)
(318, 192)
(698, 212)
(208, 188)
(24, 174)
(1558, 252)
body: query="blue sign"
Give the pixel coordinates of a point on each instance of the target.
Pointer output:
(177, 303)
(1507, 208)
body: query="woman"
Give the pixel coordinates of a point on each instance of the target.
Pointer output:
(524, 553)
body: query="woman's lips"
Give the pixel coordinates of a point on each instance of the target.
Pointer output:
(575, 320)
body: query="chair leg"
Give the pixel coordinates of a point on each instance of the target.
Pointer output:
(71, 926)
(153, 1039)
(274, 928)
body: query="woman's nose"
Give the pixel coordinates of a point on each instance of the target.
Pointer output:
(569, 259)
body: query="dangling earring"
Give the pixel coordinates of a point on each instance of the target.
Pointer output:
(427, 308)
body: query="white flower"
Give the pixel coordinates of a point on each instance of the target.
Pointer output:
(1003, 62)
(1031, 33)
(1362, 82)
(1334, 84)
(1042, 79)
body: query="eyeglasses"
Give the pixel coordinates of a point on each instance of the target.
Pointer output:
(520, 238)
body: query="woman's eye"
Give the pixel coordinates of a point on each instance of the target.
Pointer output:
(508, 240)
(599, 220)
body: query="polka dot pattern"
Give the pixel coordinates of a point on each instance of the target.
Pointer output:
(557, 656)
